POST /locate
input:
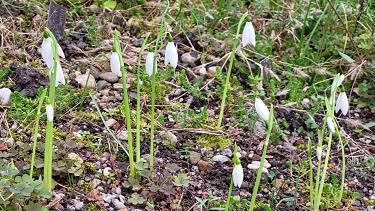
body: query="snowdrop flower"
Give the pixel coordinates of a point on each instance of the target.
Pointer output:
(150, 63)
(171, 55)
(59, 75)
(262, 109)
(319, 151)
(115, 63)
(49, 111)
(342, 103)
(248, 35)
(237, 175)
(330, 125)
(5, 96)
(47, 51)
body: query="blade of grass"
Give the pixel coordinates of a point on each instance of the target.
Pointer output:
(36, 129)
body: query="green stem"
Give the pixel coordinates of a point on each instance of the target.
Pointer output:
(343, 163)
(226, 86)
(229, 194)
(259, 172)
(153, 94)
(321, 185)
(138, 129)
(302, 37)
(36, 129)
(126, 105)
(311, 179)
(48, 154)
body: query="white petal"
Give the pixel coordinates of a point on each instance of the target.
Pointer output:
(248, 34)
(237, 175)
(49, 111)
(342, 103)
(59, 75)
(60, 52)
(5, 96)
(47, 53)
(171, 55)
(150, 63)
(330, 124)
(319, 151)
(262, 109)
(115, 64)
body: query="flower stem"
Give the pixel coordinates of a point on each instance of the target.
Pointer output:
(229, 194)
(36, 129)
(126, 105)
(226, 86)
(343, 163)
(138, 129)
(311, 179)
(48, 154)
(153, 94)
(259, 172)
(321, 185)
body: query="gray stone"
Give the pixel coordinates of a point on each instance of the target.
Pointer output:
(78, 205)
(102, 84)
(118, 204)
(122, 135)
(190, 58)
(117, 86)
(109, 77)
(220, 158)
(82, 80)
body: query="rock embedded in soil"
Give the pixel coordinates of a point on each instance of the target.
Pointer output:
(27, 80)
(220, 158)
(82, 80)
(204, 166)
(190, 58)
(195, 157)
(102, 84)
(118, 205)
(109, 77)
(211, 72)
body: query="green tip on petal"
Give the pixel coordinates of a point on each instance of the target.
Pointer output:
(170, 38)
(45, 34)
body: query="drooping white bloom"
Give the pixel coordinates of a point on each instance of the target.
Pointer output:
(59, 75)
(47, 51)
(5, 96)
(115, 64)
(330, 125)
(319, 151)
(237, 175)
(150, 63)
(171, 55)
(342, 103)
(248, 34)
(49, 111)
(262, 109)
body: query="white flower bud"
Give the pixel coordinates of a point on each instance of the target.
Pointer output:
(330, 125)
(342, 103)
(150, 63)
(262, 109)
(237, 175)
(49, 111)
(248, 35)
(171, 55)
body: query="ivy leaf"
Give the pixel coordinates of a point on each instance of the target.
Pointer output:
(181, 180)
(110, 4)
(136, 199)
